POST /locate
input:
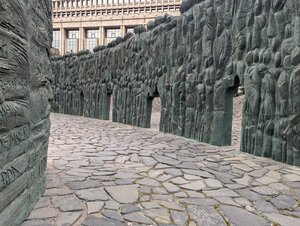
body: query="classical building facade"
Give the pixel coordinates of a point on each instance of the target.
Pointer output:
(84, 24)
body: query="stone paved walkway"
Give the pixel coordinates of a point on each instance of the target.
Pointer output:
(103, 173)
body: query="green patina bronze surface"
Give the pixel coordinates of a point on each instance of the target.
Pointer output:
(25, 70)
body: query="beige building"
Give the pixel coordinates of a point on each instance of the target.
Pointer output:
(84, 24)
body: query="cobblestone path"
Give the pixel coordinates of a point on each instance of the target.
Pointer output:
(103, 174)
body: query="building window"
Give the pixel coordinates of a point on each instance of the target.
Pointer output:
(72, 41)
(129, 30)
(112, 34)
(92, 37)
(56, 39)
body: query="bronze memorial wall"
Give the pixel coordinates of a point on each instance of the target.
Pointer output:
(195, 63)
(25, 91)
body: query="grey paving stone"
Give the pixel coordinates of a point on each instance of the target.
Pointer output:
(171, 187)
(181, 195)
(171, 205)
(112, 205)
(155, 173)
(245, 180)
(195, 186)
(266, 180)
(164, 178)
(265, 207)
(160, 215)
(199, 201)
(162, 166)
(58, 191)
(192, 223)
(179, 218)
(94, 207)
(199, 173)
(258, 173)
(104, 173)
(159, 190)
(127, 175)
(166, 160)
(145, 189)
(138, 218)
(279, 186)
(179, 180)
(235, 186)
(225, 192)
(292, 177)
(96, 221)
(43, 213)
(43, 202)
(188, 165)
(67, 203)
(282, 219)
(130, 209)
(92, 194)
(264, 190)
(195, 194)
(112, 215)
(149, 161)
(166, 224)
(242, 201)
(213, 183)
(148, 182)
(78, 185)
(37, 223)
(237, 216)
(150, 205)
(191, 177)
(205, 215)
(67, 218)
(284, 202)
(173, 171)
(252, 196)
(124, 181)
(124, 194)
(242, 167)
(226, 201)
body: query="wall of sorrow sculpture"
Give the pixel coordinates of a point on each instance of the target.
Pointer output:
(25, 91)
(194, 63)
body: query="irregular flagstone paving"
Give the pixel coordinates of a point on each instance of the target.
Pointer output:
(103, 173)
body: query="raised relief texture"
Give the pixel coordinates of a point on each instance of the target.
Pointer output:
(195, 63)
(25, 91)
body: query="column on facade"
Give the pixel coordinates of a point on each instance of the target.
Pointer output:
(122, 30)
(62, 49)
(81, 39)
(101, 35)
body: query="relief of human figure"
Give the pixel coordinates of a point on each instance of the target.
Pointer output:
(279, 17)
(200, 94)
(187, 107)
(239, 62)
(267, 109)
(242, 9)
(209, 80)
(175, 107)
(259, 24)
(252, 101)
(222, 46)
(209, 30)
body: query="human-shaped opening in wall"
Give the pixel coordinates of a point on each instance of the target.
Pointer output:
(81, 107)
(153, 110)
